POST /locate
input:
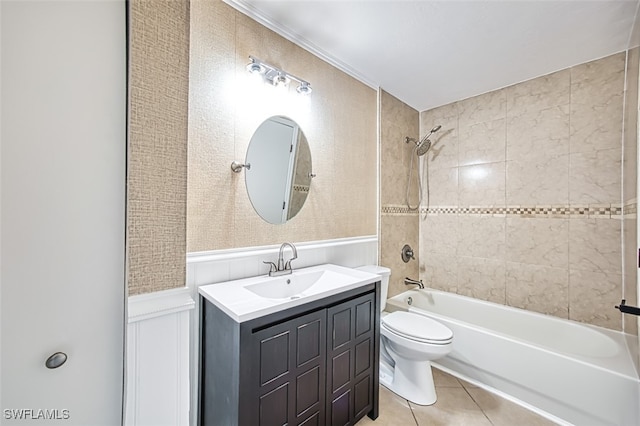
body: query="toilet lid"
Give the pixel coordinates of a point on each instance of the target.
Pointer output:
(417, 327)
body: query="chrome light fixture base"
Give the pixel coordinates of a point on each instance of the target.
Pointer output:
(277, 76)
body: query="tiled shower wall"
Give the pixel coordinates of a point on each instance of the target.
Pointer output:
(525, 187)
(398, 226)
(630, 188)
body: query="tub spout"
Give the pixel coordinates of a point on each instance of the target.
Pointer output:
(409, 281)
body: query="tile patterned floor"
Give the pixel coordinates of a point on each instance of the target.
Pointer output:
(459, 403)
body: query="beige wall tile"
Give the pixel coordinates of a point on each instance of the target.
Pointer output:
(439, 234)
(597, 92)
(538, 288)
(444, 148)
(595, 245)
(594, 177)
(538, 147)
(482, 143)
(482, 278)
(552, 159)
(540, 131)
(440, 187)
(630, 187)
(397, 121)
(630, 145)
(482, 185)
(540, 179)
(539, 93)
(479, 109)
(439, 271)
(630, 273)
(543, 242)
(592, 297)
(481, 236)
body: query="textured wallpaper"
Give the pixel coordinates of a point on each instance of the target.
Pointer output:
(157, 158)
(226, 105)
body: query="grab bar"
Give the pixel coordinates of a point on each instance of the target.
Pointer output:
(626, 309)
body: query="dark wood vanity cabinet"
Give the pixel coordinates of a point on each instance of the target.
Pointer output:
(289, 363)
(351, 354)
(314, 364)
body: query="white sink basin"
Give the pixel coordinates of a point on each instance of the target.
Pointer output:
(254, 297)
(286, 286)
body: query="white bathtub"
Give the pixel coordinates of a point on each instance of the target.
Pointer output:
(570, 372)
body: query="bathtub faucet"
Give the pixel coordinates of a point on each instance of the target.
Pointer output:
(409, 281)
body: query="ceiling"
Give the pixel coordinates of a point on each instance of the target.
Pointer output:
(430, 53)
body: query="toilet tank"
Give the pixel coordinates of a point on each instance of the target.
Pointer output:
(384, 281)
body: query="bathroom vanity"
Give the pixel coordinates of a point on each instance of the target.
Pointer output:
(309, 358)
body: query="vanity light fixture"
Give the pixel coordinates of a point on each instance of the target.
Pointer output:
(276, 76)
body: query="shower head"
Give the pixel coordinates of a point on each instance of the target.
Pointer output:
(424, 145)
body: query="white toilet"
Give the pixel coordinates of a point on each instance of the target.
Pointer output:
(409, 343)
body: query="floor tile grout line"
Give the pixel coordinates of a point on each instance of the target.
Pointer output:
(415, 419)
(475, 402)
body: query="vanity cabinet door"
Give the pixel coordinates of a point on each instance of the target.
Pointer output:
(289, 359)
(350, 360)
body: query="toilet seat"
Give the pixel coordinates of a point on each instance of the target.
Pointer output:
(417, 327)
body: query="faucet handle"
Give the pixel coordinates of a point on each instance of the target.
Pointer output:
(272, 266)
(288, 264)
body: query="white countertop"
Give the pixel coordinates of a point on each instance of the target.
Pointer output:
(242, 305)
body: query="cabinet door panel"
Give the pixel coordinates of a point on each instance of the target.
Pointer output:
(291, 356)
(341, 409)
(274, 407)
(308, 390)
(309, 342)
(313, 420)
(362, 395)
(340, 371)
(342, 327)
(274, 357)
(364, 356)
(364, 317)
(350, 335)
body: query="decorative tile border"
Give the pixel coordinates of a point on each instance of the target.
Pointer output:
(301, 188)
(392, 209)
(590, 211)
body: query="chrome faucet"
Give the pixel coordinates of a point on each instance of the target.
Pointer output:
(409, 281)
(282, 267)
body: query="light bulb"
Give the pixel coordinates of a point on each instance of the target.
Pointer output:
(304, 88)
(280, 80)
(255, 68)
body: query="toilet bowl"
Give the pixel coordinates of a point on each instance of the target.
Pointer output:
(409, 342)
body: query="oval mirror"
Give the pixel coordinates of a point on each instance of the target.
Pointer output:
(279, 178)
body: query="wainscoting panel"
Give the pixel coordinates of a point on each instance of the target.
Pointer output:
(158, 359)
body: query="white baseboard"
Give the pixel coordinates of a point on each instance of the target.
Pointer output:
(157, 364)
